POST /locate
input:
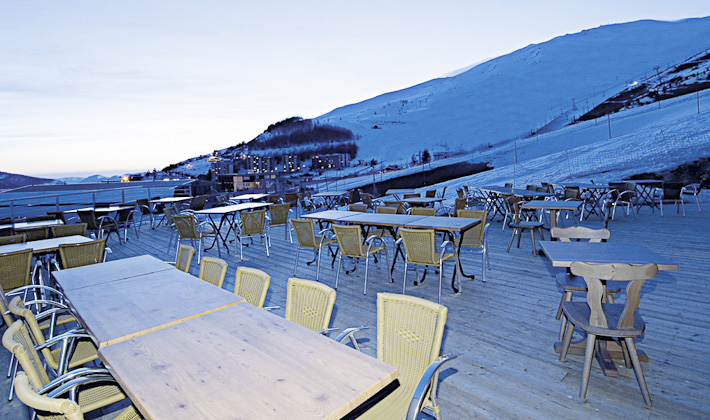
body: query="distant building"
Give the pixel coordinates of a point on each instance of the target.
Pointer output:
(334, 161)
(260, 164)
(247, 181)
(291, 163)
(219, 167)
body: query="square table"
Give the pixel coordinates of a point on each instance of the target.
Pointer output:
(225, 212)
(422, 201)
(118, 310)
(331, 198)
(244, 362)
(44, 245)
(553, 206)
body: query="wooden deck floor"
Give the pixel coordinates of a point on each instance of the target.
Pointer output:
(503, 330)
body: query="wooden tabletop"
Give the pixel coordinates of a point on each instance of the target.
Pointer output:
(456, 224)
(116, 311)
(553, 204)
(380, 219)
(243, 362)
(331, 193)
(170, 199)
(32, 225)
(563, 254)
(44, 245)
(233, 208)
(97, 274)
(422, 200)
(257, 196)
(330, 215)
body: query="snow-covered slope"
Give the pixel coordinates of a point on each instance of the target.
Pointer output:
(515, 95)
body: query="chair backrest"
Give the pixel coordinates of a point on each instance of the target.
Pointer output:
(412, 195)
(88, 217)
(77, 255)
(409, 335)
(252, 222)
(66, 408)
(17, 340)
(185, 225)
(184, 257)
(13, 239)
(57, 215)
(430, 194)
(513, 204)
(17, 308)
(305, 232)
(419, 246)
(252, 285)
(459, 204)
(36, 234)
(366, 199)
(15, 269)
(386, 210)
(213, 270)
(397, 205)
(593, 275)
(474, 236)
(69, 230)
(291, 199)
(423, 211)
(198, 202)
(571, 193)
(272, 198)
(579, 232)
(349, 240)
(508, 185)
(362, 208)
(460, 193)
(279, 214)
(531, 188)
(671, 190)
(309, 303)
(143, 205)
(443, 192)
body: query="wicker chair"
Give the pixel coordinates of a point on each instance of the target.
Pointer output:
(606, 319)
(13, 239)
(17, 340)
(422, 211)
(476, 238)
(351, 246)
(252, 223)
(98, 225)
(420, 249)
(77, 255)
(69, 230)
(213, 270)
(16, 269)
(252, 285)
(409, 335)
(36, 234)
(183, 259)
(362, 208)
(309, 304)
(279, 216)
(188, 228)
(306, 237)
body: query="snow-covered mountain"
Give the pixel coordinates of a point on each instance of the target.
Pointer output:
(515, 95)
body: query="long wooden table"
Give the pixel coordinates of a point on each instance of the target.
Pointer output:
(96, 274)
(244, 362)
(44, 245)
(563, 254)
(494, 197)
(20, 226)
(447, 225)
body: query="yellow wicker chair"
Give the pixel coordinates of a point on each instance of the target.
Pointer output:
(279, 216)
(52, 408)
(476, 238)
(420, 249)
(13, 239)
(213, 270)
(69, 230)
(16, 269)
(309, 304)
(383, 232)
(189, 229)
(36, 234)
(252, 223)
(409, 335)
(17, 340)
(98, 225)
(422, 211)
(184, 257)
(75, 344)
(306, 237)
(608, 319)
(77, 255)
(362, 208)
(252, 285)
(351, 246)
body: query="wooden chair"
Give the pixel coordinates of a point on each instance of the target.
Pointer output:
(409, 335)
(279, 216)
(519, 226)
(252, 223)
(13, 239)
(351, 246)
(672, 194)
(213, 270)
(420, 249)
(606, 319)
(183, 258)
(77, 255)
(252, 285)
(306, 237)
(17, 340)
(63, 408)
(309, 304)
(188, 228)
(476, 238)
(69, 230)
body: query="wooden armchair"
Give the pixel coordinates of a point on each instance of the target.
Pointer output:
(519, 225)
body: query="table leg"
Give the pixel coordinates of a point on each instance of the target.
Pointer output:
(458, 264)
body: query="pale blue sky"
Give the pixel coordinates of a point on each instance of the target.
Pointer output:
(118, 86)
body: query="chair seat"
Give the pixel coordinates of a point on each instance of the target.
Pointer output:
(99, 396)
(578, 313)
(85, 352)
(572, 283)
(526, 224)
